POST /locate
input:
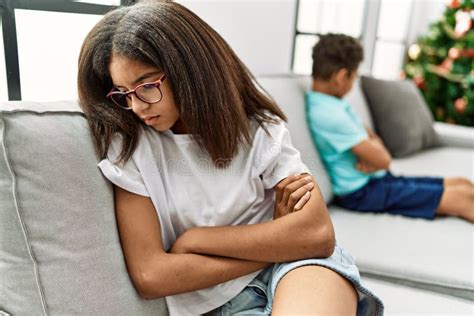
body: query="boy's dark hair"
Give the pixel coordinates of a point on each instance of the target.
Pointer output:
(333, 52)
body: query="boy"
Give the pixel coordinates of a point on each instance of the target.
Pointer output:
(356, 158)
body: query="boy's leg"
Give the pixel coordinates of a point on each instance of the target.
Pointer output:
(457, 199)
(314, 290)
(457, 181)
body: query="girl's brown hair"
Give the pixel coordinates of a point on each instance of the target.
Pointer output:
(214, 92)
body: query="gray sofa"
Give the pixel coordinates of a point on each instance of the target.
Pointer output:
(60, 249)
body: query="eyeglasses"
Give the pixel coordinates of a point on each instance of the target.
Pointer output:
(148, 92)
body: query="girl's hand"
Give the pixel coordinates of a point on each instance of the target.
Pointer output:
(292, 193)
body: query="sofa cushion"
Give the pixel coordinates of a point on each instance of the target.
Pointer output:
(288, 91)
(454, 135)
(442, 161)
(400, 115)
(432, 255)
(402, 300)
(60, 250)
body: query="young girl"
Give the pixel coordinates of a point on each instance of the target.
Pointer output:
(211, 197)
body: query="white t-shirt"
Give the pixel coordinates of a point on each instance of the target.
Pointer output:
(187, 190)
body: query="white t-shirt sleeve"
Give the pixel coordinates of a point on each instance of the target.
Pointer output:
(277, 158)
(126, 176)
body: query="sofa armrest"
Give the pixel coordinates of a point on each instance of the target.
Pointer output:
(455, 135)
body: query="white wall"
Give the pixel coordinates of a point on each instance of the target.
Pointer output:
(260, 31)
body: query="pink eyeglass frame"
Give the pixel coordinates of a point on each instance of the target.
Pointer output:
(156, 83)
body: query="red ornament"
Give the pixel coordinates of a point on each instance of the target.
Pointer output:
(467, 52)
(460, 105)
(419, 81)
(454, 4)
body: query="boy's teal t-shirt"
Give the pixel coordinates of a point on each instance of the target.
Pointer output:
(335, 129)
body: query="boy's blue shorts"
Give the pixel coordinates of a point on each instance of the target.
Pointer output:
(408, 196)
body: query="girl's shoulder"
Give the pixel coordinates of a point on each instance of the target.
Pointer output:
(269, 129)
(275, 122)
(117, 143)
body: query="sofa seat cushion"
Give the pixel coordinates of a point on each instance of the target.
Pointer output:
(402, 300)
(433, 255)
(440, 161)
(60, 249)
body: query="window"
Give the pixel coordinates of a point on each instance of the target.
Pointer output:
(46, 38)
(383, 27)
(302, 60)
(388, 60)
(3, 71)
(48, 64)
(393, 22)
(105, 2)
(323, 16)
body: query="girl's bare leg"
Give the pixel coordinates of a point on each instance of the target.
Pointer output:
(314, 290)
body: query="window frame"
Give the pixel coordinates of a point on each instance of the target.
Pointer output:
(367, 4)
(368, 35)
(10, 41)
(403, 42)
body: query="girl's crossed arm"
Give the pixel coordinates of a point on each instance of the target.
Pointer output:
(156, 273)
(307, 233)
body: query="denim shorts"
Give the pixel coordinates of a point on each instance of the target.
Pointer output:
(257, 297)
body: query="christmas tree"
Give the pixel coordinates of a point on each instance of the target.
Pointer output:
(441, 64)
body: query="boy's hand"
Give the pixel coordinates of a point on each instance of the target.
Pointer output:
(366, 167)
(371, 153)
(292, 193)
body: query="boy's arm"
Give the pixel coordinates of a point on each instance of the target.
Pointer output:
(370, 132)
(307, 233)
(372, 154)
